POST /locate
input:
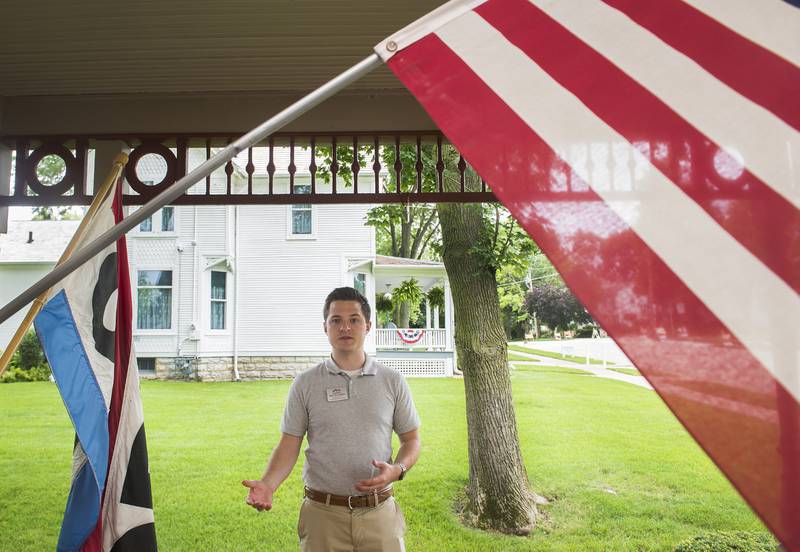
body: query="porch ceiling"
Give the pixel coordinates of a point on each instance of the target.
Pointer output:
(388, 278)
(53, 52)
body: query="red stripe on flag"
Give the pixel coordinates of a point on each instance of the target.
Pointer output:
(123, 336)
(745, 206)
(668, 332)
(755, 72)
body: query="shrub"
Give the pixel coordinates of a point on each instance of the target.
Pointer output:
(729, 541)
(28, 362)
(29, 353)
(14, 374)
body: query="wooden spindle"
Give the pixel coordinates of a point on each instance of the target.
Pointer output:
(312, 168)
(271, 165)
(250, 169)
(334, 166)
(439, 164)
(419, 166)
(208, 156)
(292, 167)
(355, 166)
(398, 164)
(462, 168)
(376, 164)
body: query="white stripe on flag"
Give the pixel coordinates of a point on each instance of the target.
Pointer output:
(716, 110)
(722, 273)
(756, 22)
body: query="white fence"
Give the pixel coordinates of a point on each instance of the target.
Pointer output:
(410, 338)
(599, 349)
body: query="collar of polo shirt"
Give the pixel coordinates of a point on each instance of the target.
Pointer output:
(369, 368)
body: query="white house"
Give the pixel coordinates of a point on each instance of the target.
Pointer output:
(28, 251)
(236, 292)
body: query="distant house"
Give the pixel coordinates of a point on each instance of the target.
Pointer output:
(226, 292)
(236, 292)
(28, 251)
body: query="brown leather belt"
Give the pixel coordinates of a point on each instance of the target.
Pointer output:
(354, 501)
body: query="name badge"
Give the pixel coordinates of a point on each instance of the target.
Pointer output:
(336, 394)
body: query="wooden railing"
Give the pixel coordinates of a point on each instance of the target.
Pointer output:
(397, 167)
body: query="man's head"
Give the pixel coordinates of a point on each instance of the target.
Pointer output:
(347, 319)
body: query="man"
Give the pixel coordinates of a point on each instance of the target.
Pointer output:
(348, 405)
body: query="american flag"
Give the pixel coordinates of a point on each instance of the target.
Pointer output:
(652, 150)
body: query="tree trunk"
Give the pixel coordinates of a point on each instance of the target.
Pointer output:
(499, 496)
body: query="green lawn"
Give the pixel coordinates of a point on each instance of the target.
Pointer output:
(552, 369)
(548, 354)
(512, 356)
(621, 472)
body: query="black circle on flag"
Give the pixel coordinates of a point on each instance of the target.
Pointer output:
(103, 290)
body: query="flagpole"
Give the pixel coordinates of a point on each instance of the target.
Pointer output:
(116, 171)
(178, 188)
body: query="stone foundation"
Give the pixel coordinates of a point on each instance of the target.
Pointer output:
(221, 368)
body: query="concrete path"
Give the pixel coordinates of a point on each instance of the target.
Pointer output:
(595, 369)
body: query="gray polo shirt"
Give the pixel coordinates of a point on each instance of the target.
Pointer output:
(349, 422)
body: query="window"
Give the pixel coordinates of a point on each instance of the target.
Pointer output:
(154, 294)
(163, 219)
(360, 283)
(146, 364)
(168, 219)
(218, 299)
(301, 214)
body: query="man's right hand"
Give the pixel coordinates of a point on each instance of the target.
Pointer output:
(260, 495)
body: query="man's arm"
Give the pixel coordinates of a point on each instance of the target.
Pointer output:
(407, 455)
(280, 465)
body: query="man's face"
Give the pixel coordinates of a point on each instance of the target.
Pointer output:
(346, 327)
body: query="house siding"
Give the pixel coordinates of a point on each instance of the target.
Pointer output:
(282, 286)
(283, 283)
(15, 279)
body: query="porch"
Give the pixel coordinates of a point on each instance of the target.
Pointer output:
(425, 347)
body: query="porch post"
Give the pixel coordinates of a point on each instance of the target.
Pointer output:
(5, 184)
(448, 317)
(427, 315)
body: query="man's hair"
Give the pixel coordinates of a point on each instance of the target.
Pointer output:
(346, 294)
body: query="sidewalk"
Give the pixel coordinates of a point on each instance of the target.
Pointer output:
(595, 369)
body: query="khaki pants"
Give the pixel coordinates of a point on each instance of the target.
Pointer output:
(338, 529)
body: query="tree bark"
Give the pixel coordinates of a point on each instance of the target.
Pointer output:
(498, 495)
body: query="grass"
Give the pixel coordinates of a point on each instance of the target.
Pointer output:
(628, 371)
(548, 354)
(621, 472)
(552, 369)
(512, 357)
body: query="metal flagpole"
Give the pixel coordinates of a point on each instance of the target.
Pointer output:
(176, 190)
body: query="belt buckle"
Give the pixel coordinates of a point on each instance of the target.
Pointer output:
(349, 505)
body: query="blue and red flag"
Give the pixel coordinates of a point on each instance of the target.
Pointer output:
(86, 332)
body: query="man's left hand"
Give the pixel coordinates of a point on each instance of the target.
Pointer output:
(388, 473)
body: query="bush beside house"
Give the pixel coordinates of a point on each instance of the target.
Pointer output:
(28, 362)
